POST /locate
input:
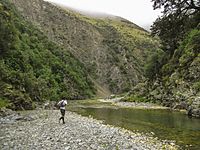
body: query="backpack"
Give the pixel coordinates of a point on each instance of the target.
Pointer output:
(62, 104)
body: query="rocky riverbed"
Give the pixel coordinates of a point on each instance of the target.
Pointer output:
(142, 105)
(44, 132)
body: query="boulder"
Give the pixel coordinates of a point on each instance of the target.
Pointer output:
(196, 113)
(181, 105)
(49, 105)
(193, 112)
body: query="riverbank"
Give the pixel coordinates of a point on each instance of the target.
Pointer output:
(44, 132)
(137, 105)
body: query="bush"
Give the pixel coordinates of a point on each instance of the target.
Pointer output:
(154, 65)
(32, 68)
(4, 103)
(196, 86)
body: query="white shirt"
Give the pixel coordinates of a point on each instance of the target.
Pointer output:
(64, 103)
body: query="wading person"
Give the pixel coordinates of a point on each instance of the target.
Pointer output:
(62, 105)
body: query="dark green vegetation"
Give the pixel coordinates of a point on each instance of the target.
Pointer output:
(165, 124)
(183, 57)
(32, 68)
(60, 51)
(112, 49)
(178, 18)
(178, 30)
(174, 72)
(48, 52)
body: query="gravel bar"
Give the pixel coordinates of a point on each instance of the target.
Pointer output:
(78, 133)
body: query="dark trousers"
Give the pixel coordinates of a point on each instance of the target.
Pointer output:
(62, 115)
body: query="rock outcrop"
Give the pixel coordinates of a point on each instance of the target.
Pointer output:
(112, 49)
(178, 82)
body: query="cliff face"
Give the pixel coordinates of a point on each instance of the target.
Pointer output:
(112, 49)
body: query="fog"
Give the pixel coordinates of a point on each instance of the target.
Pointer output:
(139, 12)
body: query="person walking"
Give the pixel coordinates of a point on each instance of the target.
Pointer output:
(62, 105)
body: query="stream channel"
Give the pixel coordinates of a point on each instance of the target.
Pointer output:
(163, 123)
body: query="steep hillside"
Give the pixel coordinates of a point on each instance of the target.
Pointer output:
(32, 68)
(113, 50)
(174, 73)
(181, 76)
(178, 84)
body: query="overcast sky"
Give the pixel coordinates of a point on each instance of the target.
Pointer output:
(138, 11)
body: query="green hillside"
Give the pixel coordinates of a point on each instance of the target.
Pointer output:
(32, 68)
(173, 74)
(113, 50)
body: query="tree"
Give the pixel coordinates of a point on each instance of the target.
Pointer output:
(152, 68)
(179, 16)
(187, 7)
(8, 32)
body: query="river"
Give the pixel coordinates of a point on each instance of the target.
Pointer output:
(162, 123)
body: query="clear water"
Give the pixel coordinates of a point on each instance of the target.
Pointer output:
(166, 124)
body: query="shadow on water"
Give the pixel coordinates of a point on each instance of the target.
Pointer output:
(164, 123)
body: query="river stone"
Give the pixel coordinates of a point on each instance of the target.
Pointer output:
(67, 148)
(181, 105)
(6, 112)
(196, 113)
(78, 133)
(49, 105)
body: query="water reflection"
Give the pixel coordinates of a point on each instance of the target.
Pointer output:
(164, 123)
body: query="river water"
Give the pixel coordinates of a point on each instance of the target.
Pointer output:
(165, 124)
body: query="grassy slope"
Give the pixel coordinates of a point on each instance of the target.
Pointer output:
(136, 39)
(179, 80)
(136, 45)
(184, 67)
(32, 68)
(113, 50)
